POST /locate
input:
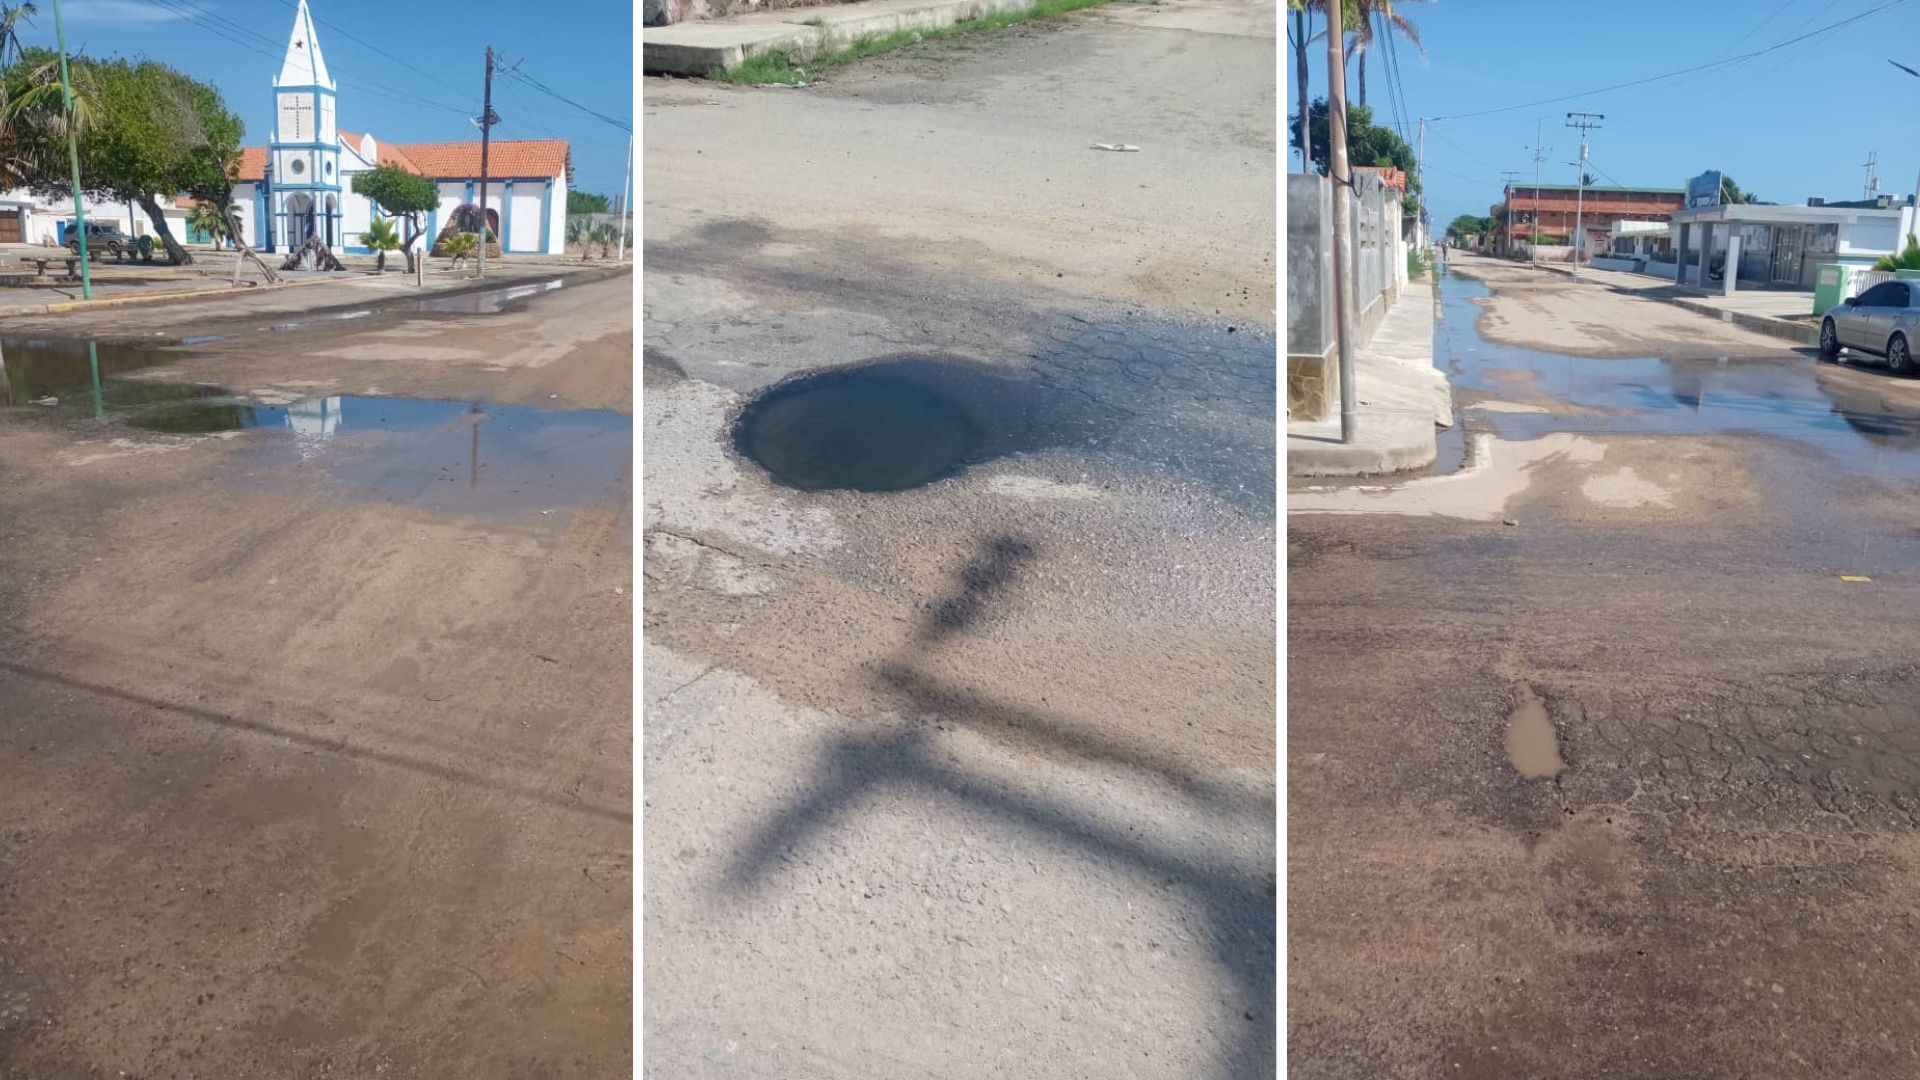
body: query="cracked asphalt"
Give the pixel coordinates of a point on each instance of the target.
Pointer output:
(974, 778)
(1710, 586)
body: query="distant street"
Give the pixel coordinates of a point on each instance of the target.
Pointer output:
(1602, 752)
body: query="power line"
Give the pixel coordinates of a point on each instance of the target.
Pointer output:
(515, 73)
(1682, 71)
(343, 32)
(239, 35)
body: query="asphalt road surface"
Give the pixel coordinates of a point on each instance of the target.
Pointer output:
(971, 776)
(1603, 759)
(315, 712)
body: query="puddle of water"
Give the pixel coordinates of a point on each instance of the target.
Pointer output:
(1853, 413)
(80, 378)
(451, 456)
(1533, 748)
(1191, 401)
(857, 431)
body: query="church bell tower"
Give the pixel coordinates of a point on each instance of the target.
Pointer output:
(303, 155)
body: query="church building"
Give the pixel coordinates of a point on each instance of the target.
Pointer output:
(301, 183)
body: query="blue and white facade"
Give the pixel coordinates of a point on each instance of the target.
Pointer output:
(303, 155)
(301, 183)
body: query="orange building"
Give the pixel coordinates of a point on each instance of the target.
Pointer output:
(1555, 208)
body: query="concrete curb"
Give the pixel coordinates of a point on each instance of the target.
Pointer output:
(1764, 324)
(229, 293)
(698, 48)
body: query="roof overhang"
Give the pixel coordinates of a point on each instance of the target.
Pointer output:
(1755, 214)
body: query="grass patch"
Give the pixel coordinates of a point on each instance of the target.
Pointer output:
(1417, 264)
(780, 65)
(815, 21)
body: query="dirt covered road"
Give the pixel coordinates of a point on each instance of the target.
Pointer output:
(315, 718)
(1603, 759)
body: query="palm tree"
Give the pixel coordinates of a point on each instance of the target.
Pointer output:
(10, 16)
(381, 236)
(460, 247)
(1908, 259)
(217, 224)
(1377, 17)
(580, 231)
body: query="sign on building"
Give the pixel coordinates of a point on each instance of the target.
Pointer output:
(1704, 190)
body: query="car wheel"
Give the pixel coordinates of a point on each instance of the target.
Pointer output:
(1829, 341)
(1899, 359)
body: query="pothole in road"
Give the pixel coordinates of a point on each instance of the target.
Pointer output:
(1533, 747)
(881, 427)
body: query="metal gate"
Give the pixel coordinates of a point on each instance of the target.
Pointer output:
(1788, 242)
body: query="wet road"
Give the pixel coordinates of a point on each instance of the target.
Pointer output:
(315, 697)
(1703, 573)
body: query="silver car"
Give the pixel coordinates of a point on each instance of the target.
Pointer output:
(1884, 321)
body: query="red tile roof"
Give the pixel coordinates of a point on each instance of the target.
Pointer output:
(506, 159)
(252, 164)
(1389, 175)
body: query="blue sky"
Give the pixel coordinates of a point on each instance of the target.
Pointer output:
(1795, 122)
(583, 49)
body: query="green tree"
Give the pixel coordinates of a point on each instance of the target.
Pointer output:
(586, 202)
(1367, 143)
(1376, 20)
(400, 195)
(1730, 192)
(1467, 226)
(149, 130)
(1908, 259)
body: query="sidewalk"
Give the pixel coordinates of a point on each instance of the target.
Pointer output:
(1403, 399)
(697, 48)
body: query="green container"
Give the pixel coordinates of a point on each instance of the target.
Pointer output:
(1831, 286)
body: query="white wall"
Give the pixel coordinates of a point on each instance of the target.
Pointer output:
(557, 219)
(356, 213)
(523, 230)
(451, 196)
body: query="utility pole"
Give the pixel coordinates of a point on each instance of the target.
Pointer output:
(1539, 155)
(1341, 177)
(626, 185)
(1583, 122)
(1506, 193)
(1420, 171)
(73, 154)
(1915, 221)
(1872, 187)
(486, 128)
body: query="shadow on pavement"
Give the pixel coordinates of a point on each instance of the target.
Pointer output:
(1237, 904)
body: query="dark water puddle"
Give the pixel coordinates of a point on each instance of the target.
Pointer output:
(1843, 410)
(451, 456)
(1192, 401)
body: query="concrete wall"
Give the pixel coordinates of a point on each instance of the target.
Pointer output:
(1379, 274)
